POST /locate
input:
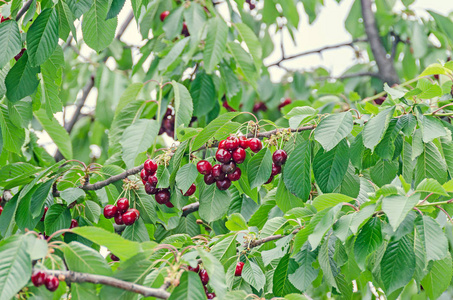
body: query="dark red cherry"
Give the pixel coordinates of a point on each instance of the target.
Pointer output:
(239, 155)
(19, 55)
(152, 180)
(210, 295)
(163, 196)
(223, 184)
(122, 205)
(51, 282)
(275, 169)
(279, 157)
(231, 143)
(74, 224)
(119, 219)
(209, 179)
(129, 217)
(238, 271)
(185, 30)
(217, 172)
(228, 168)
(37, 278)
(137, 213)
(269, 180)
(163, 15)
(1, 210)
(255, 145)
(223, 155)
(243, 142)
(196, 269)
(150, 189)
(114, 257)
(150, 167)
(169, 204)
(235, 176)
(285, 102)
(204, 167)
(191, 190)
(222, 144)
(143, 176)
(44, 214)
(204, 276)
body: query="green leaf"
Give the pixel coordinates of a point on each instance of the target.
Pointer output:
(195, 17)
(435, 69)
(324, 201)
(173, 23)
(130, 94)
(72, 194)
(173, 55)
(65, 20)
(56, 132)
(21, 113)
(98, 32)
(15, 266)
(290, 11)
(216, 40)
(42, 37)
(137, 138)
(431, 128)
(136, 232)
(92, 211)
(444, 23)
(115, 8)
(367, 241)
(333, 129)
(80, 258)
(375, 128)
(300, 115)
(21, 80)
(330, 167)
(213, 203)
(297, 175)
(303, 277)
(236, 222)
(253, 275)
(244, 62)
(430, 164)
(209, 131)
(12, 137)
(57, 217)
(186, 176)
(216, 272)
(122, 248)
(397, 207)
(51, 71)
(384, 172)
(252, 42)
(284, 199)
(281, 284)
(397, 264)
(439, 277)
(259, 168)
(430, 185)
(203, 93)
(39, 197)
(432, 237)
(183, 105)
(10, 41)
(190, 287)
(225, 248)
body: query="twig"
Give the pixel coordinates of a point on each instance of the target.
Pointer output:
(125, 25)
(85, 92)
(190, 208)
(76, 277)
(352, 75)
(270, 238)
(23, 10)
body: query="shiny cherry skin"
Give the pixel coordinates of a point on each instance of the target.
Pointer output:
(217, 172)
(269, 180)
(276, 169)
(239, 267)
(119, 219)
(204, 167)
(152, 180)
(122, 204)
(51, 282)
(209, 179)
(222, 144)
(191, 190)
(204, 276)
(143, 176)
(255, 145)
(223, 156)
(279, 157)
(74, 224)
(243, 142)
(235, 176)
(37, 278)
(164, 15)
(129, 217)
(223, 184)
(163, 196)
(114, 257)
(137, 213)
(196, 269)
(210, 295)
(169, 204)
(228, 168)
(232, 143)
(110, 211)
(150, 189)
(44, 214)
(239, 155)
(150, 167)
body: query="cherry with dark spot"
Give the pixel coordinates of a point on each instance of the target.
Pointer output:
(228, 168)
(113, 257)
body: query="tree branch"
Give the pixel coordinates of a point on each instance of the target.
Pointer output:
(85, 92)
(257, 243)
(76, 277)
(23, 10)
(125, 25)
(385, 65)
(352, 75)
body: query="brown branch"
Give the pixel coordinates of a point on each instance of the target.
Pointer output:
(76, 277)
(124, 26)
(257, 243)
(385, 65)
(352, 75)
(85, 92)
(23, 10)
(190, 208)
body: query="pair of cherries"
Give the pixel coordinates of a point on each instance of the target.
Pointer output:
(204, 277)
(278, 160)
(121, 212)
(39, 278)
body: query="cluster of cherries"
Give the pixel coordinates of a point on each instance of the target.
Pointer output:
(39, 278)
(230, 153)
(278, 160)
(184, 31)
(121, 212)
(204, 279)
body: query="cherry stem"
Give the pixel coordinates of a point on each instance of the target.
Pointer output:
(57, 233)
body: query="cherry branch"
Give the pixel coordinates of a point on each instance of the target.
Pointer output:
(259, 242)
(352, 75)
(24, 10)
(76, 277)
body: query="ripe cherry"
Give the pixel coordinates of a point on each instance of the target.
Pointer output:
(238, 271)
(119, 219)
(162, 196)
(210, 295)
(191, 190)
(196, 269)
(235, 176)
(279, 157)
(222, 144)
(150, 189)
(204, 167)
(152, 180)
(137, 213)
(51, 282)
(38, 278)
(122, 204)
(223, 156)
(228, 168)
(150, 167)
(255, 145)
(269, 180)
(217, 172)
(143, 176)
(185, 30)
(169, 204)
(129, 217)
(231, 143)
(44, 214)
(285, 102)
(114, 257)
(19, 55)
(204, 276)
(110, 211)
(243, 142)
(275, 169)
(74, 224)
(223, 184)
(209, 179)
(239, 155)
(163, 15)
(1, 210)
